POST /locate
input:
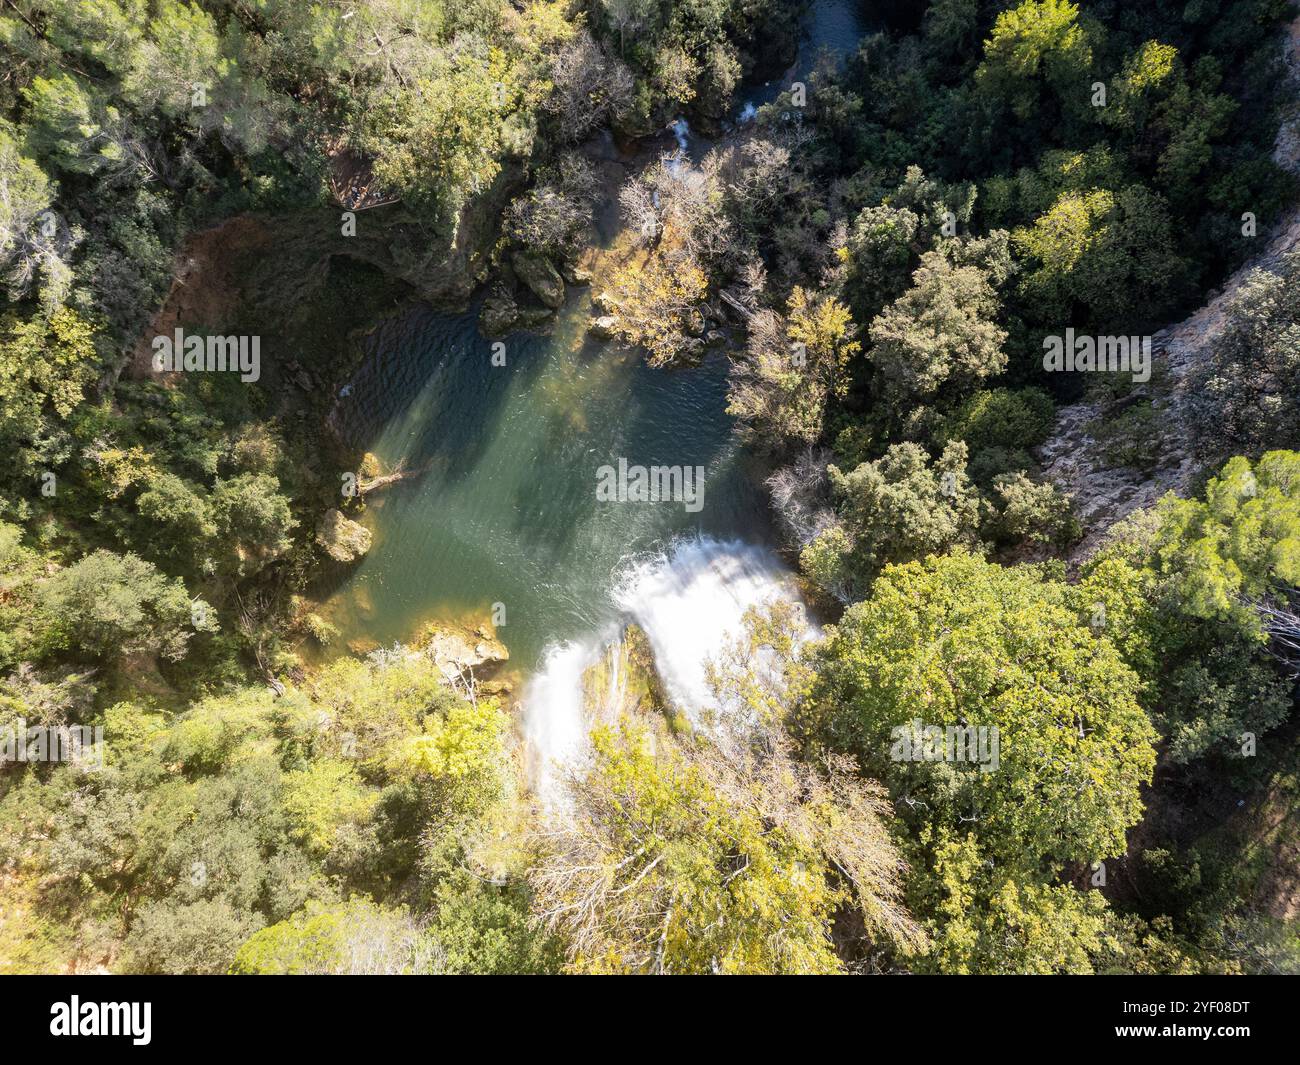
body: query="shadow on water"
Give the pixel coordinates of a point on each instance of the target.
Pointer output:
(830, 26)
(505, 508)
(409, 401)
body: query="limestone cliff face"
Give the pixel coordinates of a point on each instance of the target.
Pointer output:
(1074, 459)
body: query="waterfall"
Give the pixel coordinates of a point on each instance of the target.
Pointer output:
(554, 724)
(616, 688)
(681, 130)
(690, 600)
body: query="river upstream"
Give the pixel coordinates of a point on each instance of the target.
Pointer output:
(504, 512)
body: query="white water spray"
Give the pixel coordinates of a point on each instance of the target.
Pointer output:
(554, 724)
(690, 600)
(680, 158)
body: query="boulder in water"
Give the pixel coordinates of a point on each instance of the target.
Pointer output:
(343, 539)
(499, 315)
(533, 317)
(541, 277)
(692, 348)
(603, 327)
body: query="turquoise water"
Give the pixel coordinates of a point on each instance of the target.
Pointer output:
(503, 507)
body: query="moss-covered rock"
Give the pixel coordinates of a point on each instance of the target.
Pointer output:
(541, 277)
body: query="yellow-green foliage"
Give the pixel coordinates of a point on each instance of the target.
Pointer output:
(656, 300)
(356, 937)
(960, 641)
(323, 798)
(682, 857)
(46, 366)
(239, 811)
(1242, 543)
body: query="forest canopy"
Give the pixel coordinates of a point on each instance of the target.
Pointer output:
(875, 252)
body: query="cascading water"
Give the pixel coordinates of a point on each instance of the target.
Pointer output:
(690, 600)
(554, 723)
(681, 158)
(502, 510)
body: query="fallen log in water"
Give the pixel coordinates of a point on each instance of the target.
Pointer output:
(372, 484)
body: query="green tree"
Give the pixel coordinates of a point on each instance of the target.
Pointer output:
(193, 938)
(190, 68)
(878, 257)
(1113, 253)
(1166, 590)
(46, 367)
(253, 520)
(357, 937)
(959, 641)
(32, 240)
(684, 859)
(1035, 45)
(70, 127)
(954, 645)
(1024, 509)
(1140, 85)
(898, 508)
(1239, 547)
(180, 519)
(1243, 398)
(940, 335)
(442, 143)
(989, 918)
(110, 605)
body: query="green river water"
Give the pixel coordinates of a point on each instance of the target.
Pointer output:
(503, 507)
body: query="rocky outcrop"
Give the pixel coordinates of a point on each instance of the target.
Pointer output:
(538, 273)
(499, 314)
(255, 269)
(577, 272)
(623, 680)
(502, 312)
(343, 539)
(603, 327)
(467, 654)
